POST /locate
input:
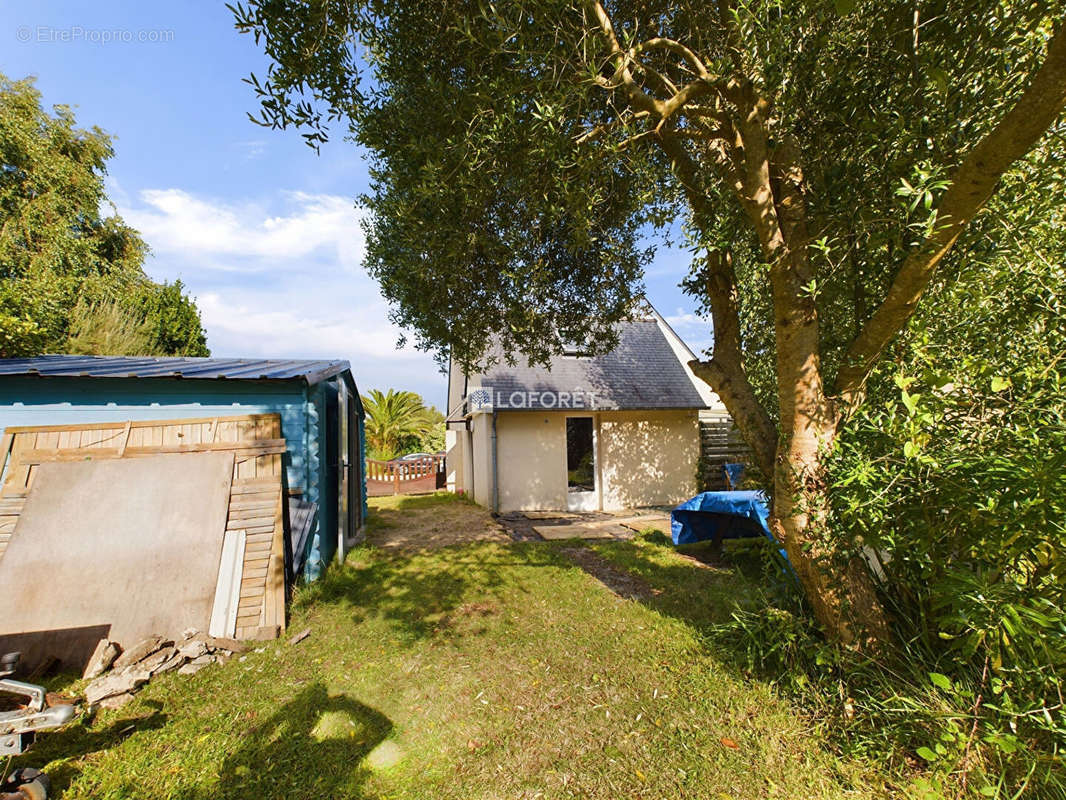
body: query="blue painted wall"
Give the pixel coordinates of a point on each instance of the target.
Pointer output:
(303, 410)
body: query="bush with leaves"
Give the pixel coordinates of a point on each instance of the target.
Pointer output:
(59, 253)
(955, 471)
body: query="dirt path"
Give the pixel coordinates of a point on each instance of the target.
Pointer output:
(416, 523)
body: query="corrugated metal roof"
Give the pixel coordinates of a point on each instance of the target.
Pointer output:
(309, 370)
(642, 372)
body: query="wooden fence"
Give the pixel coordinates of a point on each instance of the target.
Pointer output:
(720, 444)
(417, 476)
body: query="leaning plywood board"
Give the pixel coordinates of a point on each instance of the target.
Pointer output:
(130, 544)
(255, 504)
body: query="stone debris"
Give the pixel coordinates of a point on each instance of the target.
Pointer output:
(113, 683)
(101, 660)
(139, 651)
(131, 669)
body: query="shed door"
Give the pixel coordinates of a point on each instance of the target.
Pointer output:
(349, 476)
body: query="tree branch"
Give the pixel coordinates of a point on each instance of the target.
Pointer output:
(705, 84)
(974, 183)
(661, 43)
(725, 373)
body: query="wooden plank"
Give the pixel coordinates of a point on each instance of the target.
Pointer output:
(275, 600)
(144, 423)
(263, 531)
(251, 518)
(125, 440)
(262, 500)
(48, 440)
(255, 485)
(262, 494)
(242, 450)
(255, 539)
(228, 586)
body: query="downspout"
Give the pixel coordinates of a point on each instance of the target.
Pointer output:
(495, 470)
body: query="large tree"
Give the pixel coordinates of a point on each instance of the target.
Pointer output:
(822, 159)
(71, 276)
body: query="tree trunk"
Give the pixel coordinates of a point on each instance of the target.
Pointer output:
(841, 592)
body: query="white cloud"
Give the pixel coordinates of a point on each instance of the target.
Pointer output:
(694, 329)
(247, 237)
(281, 278)
(262, 328)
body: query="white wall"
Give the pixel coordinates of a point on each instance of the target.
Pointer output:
(644, 458)
(648, 458)
(481, 482)
(532, 460)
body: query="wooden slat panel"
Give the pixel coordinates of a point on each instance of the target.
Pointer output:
(143, 423)
(243, 450)
(256, 500)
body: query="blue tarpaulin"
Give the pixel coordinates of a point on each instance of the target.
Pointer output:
(733, 475)
(721, 515)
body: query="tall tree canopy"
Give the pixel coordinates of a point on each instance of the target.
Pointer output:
(71, 278)
(823, 159)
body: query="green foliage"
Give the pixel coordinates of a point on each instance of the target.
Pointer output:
(956, 471)
(509, 189)
(171, 320)
(107, 327)
(59, 253)
(398, 422)
(511, 178)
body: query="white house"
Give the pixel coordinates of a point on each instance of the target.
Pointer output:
(608, 432)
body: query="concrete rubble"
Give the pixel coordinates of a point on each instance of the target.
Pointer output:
(117, 675)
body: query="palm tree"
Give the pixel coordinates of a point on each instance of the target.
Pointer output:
(393, 417)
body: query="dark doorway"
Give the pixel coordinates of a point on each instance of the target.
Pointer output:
(580, 455)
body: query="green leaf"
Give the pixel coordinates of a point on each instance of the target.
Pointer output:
(927, 754)
(999, 384)
(844, 6)
(941, 681)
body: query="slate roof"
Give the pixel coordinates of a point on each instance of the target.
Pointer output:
(642, 372)
(310, 371)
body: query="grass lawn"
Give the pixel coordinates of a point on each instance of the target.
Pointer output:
(483, 670)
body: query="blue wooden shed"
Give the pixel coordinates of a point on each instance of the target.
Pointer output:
(322, 418)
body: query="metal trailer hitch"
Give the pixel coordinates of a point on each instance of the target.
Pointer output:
(18, 728)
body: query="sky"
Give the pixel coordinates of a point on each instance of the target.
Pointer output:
(264, 232)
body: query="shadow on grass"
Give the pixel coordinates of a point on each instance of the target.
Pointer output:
(83, 738)
(703, 584)
(417, 593)
(315, 745)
